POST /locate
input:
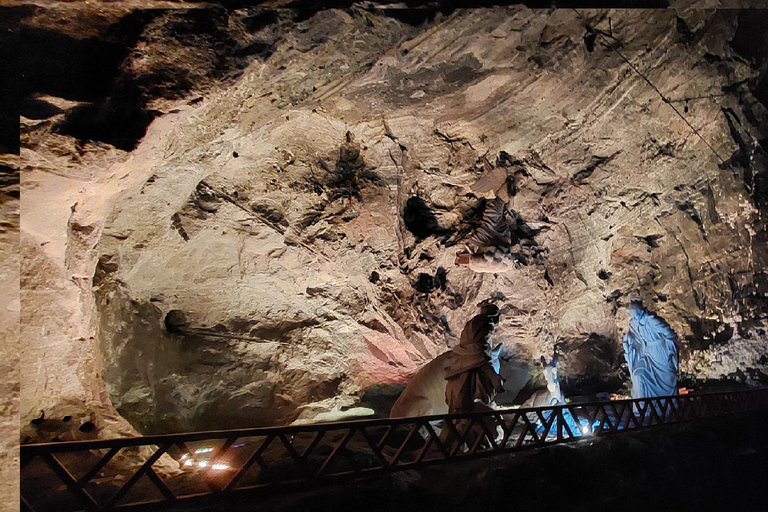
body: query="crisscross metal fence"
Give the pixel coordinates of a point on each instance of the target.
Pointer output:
(159, 471)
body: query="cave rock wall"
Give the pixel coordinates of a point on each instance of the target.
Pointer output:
(299, 216)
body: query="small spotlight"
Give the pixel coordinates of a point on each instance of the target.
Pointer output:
(203, 464)
(585, 430)
(188, 463)
(219, 467)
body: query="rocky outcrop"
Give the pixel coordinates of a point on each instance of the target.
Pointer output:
(9, 325)
(304, 218)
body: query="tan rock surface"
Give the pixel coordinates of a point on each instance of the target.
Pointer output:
(9, 331)
(281, 209)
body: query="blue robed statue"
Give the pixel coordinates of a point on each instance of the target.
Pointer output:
(651, 352)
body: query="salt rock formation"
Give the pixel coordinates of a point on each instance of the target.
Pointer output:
(297, 219)
(9, 324)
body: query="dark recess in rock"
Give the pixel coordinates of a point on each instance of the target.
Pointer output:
(752, 159)
(594, 365)
(75, 69)
(424, 283)
(120, 120)
(651, 240)
(102, 70)
(271, 212)
(760, 90)
(503, 159)
(581, 176)
(706, 332)
(380, 397)
(105, 266)
(257, 19)
(751, 37)
(34, 108)
(724, 335)
(38, 420)
(589, 39)
(175, 321)
(689, 208)
(10, 82)
(261, 49)
(587, 386)
(88, 426)
(441, 279)
(686, 36)
(420, 219)
(414, 17)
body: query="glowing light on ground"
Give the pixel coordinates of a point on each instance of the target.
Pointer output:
(219, 467)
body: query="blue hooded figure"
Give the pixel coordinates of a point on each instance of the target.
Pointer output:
(650, 349)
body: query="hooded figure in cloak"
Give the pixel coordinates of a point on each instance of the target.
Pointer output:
(651, 352)
(472, 377)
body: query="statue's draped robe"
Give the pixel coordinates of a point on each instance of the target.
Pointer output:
(471, 377)
(650, 349)
(553, 381)
(490, 243)
(494, 229)
(553, 396)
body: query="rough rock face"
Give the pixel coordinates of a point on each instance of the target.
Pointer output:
(9, 326)
(9, 271)
(299, 218)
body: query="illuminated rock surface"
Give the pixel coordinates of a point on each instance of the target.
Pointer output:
(304, 180)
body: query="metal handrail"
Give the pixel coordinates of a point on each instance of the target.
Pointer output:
(303, 455)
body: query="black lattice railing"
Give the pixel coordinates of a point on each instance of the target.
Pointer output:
(162, 470)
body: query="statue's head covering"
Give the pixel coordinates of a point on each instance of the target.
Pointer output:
(635, 306)
(479, 329)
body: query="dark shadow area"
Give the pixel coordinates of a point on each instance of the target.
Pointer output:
(588, 389)
(86, 70)
(120, 119)
(380, 398)
(751, 37)
(419, 218)
(706, 332)
(75, 69)
(10, 82)
(9, 183)
(424, 283)
(414, 17)
(116, 79)
(35, 108)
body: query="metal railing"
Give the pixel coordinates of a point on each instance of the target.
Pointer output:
(158, 471)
